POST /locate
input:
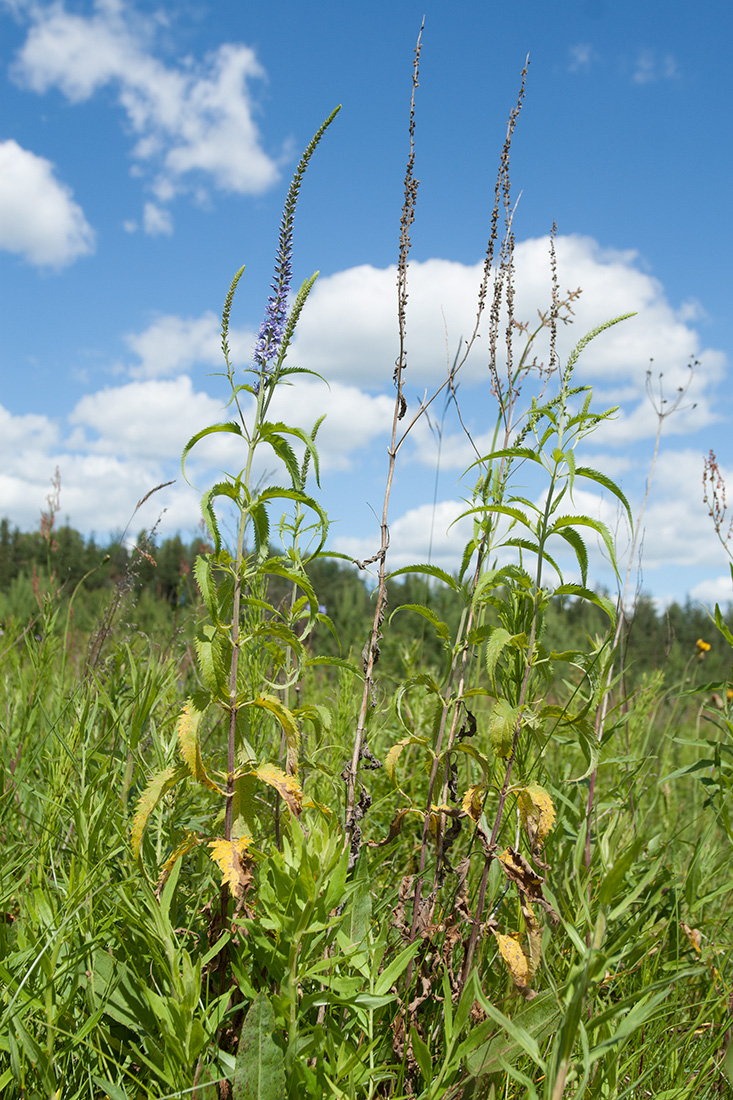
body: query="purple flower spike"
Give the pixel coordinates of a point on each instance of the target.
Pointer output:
(272, 328)
(274, 324)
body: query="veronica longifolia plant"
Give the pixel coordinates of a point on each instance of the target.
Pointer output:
(249, 652)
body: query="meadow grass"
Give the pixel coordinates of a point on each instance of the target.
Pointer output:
(272, 871)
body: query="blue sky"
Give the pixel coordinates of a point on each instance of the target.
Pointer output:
(145, 151)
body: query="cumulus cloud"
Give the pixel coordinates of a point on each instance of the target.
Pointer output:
(417, 534)
(348, 331)
(172, 345)
(156, 220)
(715, 590)
(39, 219)
(192, 120)
(120, 442)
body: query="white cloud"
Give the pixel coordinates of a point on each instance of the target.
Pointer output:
(714, 590)
(354, 419)
(39, 219)
(650, 67)
(348, 331)
(581, 57)
(156, 220)
(410, 537)
(173, 344)
(142, 420)
(190, 119)
(120, 442)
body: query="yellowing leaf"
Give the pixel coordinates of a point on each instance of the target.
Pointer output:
(286, 786)
(390, 760)
(515, 959)
(187, 732)
(235, 870)
(286, 718)
(472, 802)
(693, 935)
(181, 850)
(537, 812)
(151, 796)
(534, 937)
(435, 813)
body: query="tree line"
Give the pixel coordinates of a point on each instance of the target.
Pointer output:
(157, 578)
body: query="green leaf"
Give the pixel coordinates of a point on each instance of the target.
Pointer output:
(502, 725)
(422, 1057)
(611, 883)
(502, 510)
(278, 492)
(572, 537)
(586, 521)
(212, 651)
(259, 1073)
(585, 594)
(509, 452)
(720, 623)
(498, 640)
(537, 1020)
(221, 489)
(114, 1092)
(429, 571)
(203, 574)
(607, 483)
(274, 432)
(261, 527)
(520, 1035)
(391, 973)
(441, 629)
(533, 548)
(232, 427)
(470, 750)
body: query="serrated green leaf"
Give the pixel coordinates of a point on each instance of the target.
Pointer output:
(498, 639)
(429, 571)
(587, 521)
(441, 629)
(212, 650)
(607, 483)
(502, 724)
(232, 427)
(259, 1072)
(276, 431)
(572, 537)
(203, 576)
(585, 594)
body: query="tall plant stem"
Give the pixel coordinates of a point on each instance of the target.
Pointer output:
(371, 653)
(499, 816)
(621, 619)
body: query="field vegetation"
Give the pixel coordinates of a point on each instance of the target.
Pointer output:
(271, 829)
